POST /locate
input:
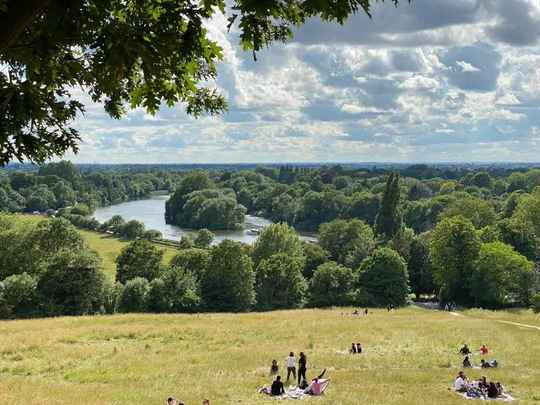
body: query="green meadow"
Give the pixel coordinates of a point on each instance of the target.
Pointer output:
(109, 247)
(410, 356)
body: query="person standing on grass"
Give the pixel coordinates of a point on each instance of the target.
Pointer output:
(302, 367)
(291, 366)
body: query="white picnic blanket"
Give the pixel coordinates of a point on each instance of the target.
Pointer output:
(503, 397)
(295, 392)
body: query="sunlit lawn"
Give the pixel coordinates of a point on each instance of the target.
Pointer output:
(109, 247)
(410, 356)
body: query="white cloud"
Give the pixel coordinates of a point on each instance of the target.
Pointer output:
(437, 80)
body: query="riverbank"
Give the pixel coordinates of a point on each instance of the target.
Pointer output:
(151, 212)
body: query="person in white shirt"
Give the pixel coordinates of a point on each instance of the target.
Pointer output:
(460, 385)
(291, 366)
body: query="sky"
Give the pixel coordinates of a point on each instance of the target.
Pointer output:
(434, 81)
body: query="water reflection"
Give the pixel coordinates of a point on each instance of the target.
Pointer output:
(151, 212)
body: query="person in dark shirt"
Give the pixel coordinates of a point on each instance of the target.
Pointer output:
(492, 390)
(277, 387)
(467, 362)
(358, 348)
(302, 367)
(464, 350)
(353, 349)
(274, 368)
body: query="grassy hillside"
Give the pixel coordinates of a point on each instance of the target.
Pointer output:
(109, 248)
(410, 356)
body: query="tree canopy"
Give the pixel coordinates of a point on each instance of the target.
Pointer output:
(123, 53)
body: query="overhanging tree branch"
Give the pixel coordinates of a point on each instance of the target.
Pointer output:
(18, 16)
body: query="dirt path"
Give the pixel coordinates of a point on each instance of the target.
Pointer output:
(518, 324)
(522, 325)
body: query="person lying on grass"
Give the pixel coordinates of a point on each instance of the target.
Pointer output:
(489, 364)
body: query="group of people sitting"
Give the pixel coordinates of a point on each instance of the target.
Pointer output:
(355, 348)
(317, 386)
(277, 388)
(478, 388)
(483, 363)
(356, 312)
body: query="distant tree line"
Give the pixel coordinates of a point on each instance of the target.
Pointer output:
(59, 185)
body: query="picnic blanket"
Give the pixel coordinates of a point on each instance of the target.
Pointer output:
(503, 397)
(298, 393)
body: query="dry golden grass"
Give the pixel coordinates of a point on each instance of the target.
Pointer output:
(410, 356)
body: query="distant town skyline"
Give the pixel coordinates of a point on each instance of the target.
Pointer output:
(434, 81)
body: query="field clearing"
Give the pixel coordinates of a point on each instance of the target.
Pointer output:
(109, 247)
(410, 356)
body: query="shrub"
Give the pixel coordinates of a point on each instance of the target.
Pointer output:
(315, 256)
(180, 288)
(139, 259)
(152, 234)
(111, 296)
(81, 209)
(157, 300)
(19, 295)
(204, 239)
(134, 296)
(132, 230)
(72, 284)
(193, 260)
(536, 302)
(175, 291)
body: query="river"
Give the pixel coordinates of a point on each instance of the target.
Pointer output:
(151, 212)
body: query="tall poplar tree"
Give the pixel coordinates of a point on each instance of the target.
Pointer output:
(389, 219)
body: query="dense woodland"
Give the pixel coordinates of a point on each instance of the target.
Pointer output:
(456, 234)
